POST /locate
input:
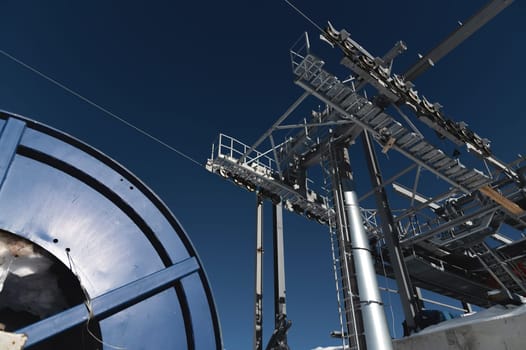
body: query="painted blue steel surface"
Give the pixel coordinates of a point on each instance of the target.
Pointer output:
(157, 311)
(115, 301)
(115, 181)
(9, 138)
(95, 216)
(201, 321)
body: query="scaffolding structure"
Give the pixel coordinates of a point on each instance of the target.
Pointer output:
(461, 237)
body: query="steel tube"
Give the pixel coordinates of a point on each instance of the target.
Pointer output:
(377, 335)
(375, 324)
(258, 316)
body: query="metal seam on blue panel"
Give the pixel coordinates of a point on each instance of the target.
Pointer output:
(187, 315)
(9, 140)
(215, 318)
(111, 302)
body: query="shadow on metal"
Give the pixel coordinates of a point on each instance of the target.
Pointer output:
(138, 271)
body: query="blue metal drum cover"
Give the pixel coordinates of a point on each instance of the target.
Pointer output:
(101, 221)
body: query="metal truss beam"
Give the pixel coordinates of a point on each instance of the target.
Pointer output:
(388, 181)
(374, 323)
(427, 203)
(367, 127)
(410, 304)
(480, 213)
(273, 127)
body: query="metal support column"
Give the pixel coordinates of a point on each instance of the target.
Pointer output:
(374, 322)
(258, 317)
(278, 340)
(410, 304)
(351, 300)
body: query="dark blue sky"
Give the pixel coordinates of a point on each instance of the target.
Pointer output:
(185, 71)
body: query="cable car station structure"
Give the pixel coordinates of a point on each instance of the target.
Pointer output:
(448, 238)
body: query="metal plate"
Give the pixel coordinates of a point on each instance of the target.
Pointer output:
(109, 228)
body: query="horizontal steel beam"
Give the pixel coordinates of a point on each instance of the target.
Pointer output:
(414, 195)
(458, 221)
(388, 182)
(431, 301)
(473, 24)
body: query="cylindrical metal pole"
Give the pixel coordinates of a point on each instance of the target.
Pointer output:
(375, 325)
(374, 322)
(351, 299)
(278, 340)
(280, 306)
(258, 317)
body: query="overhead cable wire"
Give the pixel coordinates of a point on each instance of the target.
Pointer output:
(304, 15)
(99, 107)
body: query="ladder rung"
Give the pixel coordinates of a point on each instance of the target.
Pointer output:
(428, 157)
(312, 72)
(349, 99)
(366, 112)
(474, 180)
(454, 169)
(445, 164)
(361, 111)
(328, 84)
(320, 78)
(396, 129)
(475, 184)
(425, 154)
(408, 140)
(418, 147)
(424, 150)
(335, 89)
(380, 117)
(437, 158)
(384, 124)
(467, 176)
(460, 174)
(343, 94)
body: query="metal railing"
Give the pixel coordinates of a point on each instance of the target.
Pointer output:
(235, 149)
(299, 50)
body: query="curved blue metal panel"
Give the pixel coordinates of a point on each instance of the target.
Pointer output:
(109, 228)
